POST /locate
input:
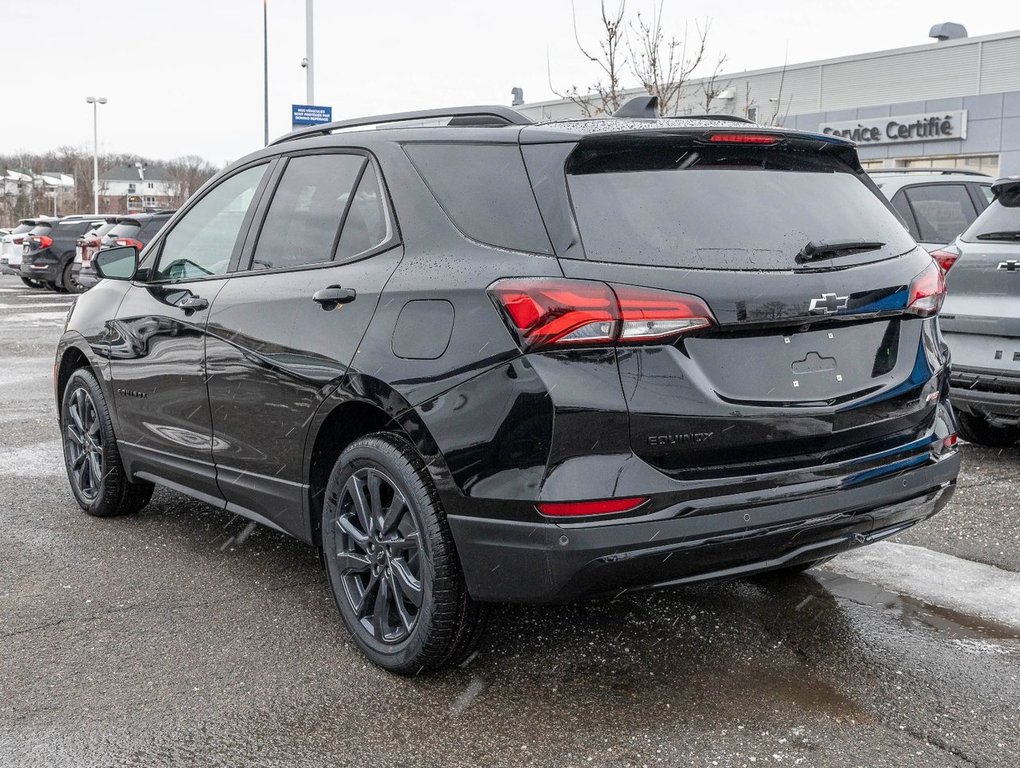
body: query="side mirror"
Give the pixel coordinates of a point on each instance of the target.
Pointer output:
(119, 263)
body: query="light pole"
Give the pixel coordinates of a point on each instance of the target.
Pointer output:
(95, 102)
(265, 62)
(310, 51)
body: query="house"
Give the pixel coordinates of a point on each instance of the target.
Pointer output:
(134, 188)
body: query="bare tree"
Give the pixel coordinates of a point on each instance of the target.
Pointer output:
(186, 175)
(665, 64)
(711, 86)
(777, 102)
(603, 97)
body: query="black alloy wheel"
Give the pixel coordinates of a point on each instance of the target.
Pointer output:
(83, 443)
(391, 561)
(94, 468)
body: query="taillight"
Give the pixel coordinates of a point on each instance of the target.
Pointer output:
(945, 259)
(128, 241)
(597, 507)
(42, 241)
(927, 291)
(743, 138)
(544, 312)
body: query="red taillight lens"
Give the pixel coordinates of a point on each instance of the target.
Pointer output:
(128, 241)
(927, 291)
(599, 507)
(42, 241)
(951, 441)
(945, 259)
(743, 138)
(545, 312)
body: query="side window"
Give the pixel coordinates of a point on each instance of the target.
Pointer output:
(942, 210)
(202, 242)
(485, 191)
(304, 216)
(986, 191)
(902, 207)
(367, 224)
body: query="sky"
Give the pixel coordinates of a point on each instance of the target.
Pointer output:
(186, 76)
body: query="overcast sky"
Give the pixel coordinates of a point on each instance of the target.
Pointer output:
(185, 76)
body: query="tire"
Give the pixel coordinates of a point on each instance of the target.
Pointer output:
(33, 283)
(67, 280)
(93, 464)
(975, 429)
(54, 287)
(377, 572)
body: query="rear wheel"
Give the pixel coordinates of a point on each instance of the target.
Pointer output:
(33, 283)
(391, 562)
(67, 279)
(976, 429)
(94, 469)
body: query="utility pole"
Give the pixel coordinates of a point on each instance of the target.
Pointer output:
(310, 53)
(265, 69)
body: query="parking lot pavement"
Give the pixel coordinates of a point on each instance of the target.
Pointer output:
(184, 636)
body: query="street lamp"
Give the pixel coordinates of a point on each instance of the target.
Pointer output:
(95, 102)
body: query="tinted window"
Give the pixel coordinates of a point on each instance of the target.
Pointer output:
(202, 242)
(40, 229)
(304, 218)
(1000, 221)
(367, 224)
(151, 227)
(735, 208)
(21, 229)
(123, 229)
(485, 191)
(942, 211)
(902, 207)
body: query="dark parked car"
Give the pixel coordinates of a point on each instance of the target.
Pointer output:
(502, 361)
(135, 230)
(982, 320)
(48, 251)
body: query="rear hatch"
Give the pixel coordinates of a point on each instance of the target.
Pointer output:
(982, 311)
(812, 354)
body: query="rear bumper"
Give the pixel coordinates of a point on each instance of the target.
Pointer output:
(86, 277)
(40, 269)
(985, 393)
(516, 561)
(7, 269)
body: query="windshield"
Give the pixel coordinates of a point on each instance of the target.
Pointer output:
(999, 221)
(725, 208)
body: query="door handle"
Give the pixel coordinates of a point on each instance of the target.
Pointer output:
(329, 298)
(193, 303)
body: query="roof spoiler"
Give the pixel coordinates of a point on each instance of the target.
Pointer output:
(1005, 184)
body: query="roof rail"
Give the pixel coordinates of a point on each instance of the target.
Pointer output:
(725, 118)
(463, 116)
(930, 171)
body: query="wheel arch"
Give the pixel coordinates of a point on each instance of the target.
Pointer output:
(358, 408)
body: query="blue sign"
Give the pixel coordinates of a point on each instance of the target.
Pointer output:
(307, 114)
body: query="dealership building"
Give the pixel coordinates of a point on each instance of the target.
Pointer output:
(952, 103)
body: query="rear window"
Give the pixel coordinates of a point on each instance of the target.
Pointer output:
(123, 230)
(733, 208)
(40, 229)
(21, 229)
(1000, 221)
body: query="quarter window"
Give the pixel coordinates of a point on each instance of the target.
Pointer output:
(367, 224)
(304, 217)
(202, 242)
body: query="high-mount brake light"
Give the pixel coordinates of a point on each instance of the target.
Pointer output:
(597, 507)
(927, 291)
(945, 259)
(743, 138)
(553, 312)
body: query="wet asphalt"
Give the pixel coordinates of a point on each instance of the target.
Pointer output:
(185, 636)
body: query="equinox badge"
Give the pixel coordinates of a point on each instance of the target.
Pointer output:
(828, 304)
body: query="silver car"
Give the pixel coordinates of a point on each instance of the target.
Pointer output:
(981, 320)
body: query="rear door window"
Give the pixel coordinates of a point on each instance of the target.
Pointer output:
(942, 211)
(304, 217)
(670, 203)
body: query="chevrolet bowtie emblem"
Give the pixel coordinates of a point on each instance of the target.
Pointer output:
(828, 304)
(1010, 266)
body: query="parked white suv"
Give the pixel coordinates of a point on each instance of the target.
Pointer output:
(11, 246)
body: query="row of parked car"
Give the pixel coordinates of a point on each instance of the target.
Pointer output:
(56, 252)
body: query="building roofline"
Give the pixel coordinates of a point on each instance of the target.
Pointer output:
(822, 62)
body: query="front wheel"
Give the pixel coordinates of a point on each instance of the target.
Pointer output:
(94, 469)
(975, 429)
(391, 562)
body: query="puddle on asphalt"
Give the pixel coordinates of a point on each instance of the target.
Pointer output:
(960, 626)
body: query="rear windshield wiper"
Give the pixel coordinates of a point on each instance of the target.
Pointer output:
(822, 249)
(1013, 235)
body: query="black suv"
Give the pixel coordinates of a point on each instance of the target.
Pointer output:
(501, 361)
(48, 255)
